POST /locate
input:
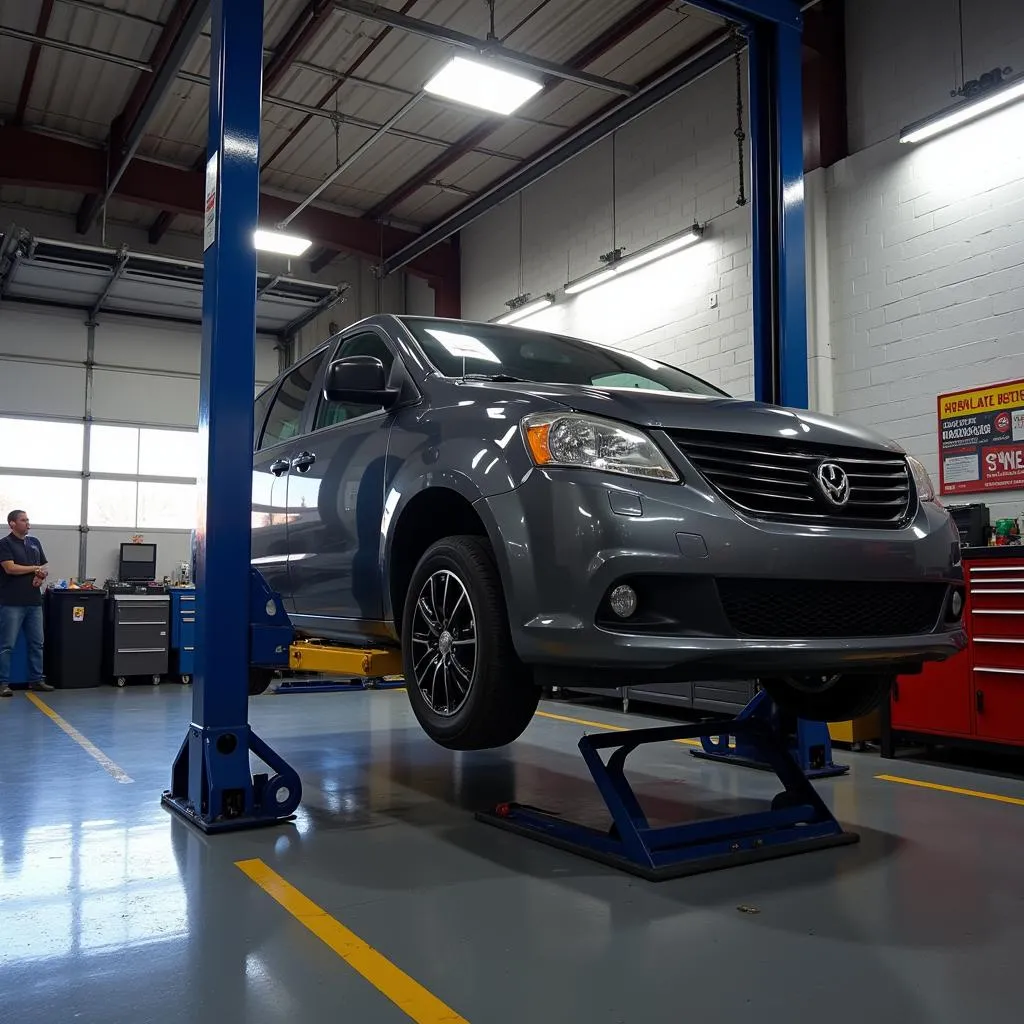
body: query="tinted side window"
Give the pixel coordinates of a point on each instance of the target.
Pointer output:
(285, 419)
(259, 414)
(328, 414)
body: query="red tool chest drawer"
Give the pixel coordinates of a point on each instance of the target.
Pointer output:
(979, 693)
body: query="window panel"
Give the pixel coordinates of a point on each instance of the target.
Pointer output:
(112, 503)
(114, 450)
(285, 420)
(167, 506)
(49, 501)
(169, 453)
(41, 444)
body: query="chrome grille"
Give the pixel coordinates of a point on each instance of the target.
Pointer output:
(776, 479)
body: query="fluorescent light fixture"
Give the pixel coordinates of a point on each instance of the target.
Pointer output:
(482, 84)
(625, 264)
(278, 241)
(525, 310)
(963, 112)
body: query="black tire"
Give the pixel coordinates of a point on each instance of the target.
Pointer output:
(259, 680)
(845, 698)
(500, 698)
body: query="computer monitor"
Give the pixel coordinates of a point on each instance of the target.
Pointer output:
(137, 562)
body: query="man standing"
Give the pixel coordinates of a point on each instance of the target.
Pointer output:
(23, 566)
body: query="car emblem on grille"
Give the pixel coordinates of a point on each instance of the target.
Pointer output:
(834, 483)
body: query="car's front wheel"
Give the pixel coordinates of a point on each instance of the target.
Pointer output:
(836, 698)
(467, 687)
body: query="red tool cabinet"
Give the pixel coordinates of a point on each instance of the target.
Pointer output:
(978, 695)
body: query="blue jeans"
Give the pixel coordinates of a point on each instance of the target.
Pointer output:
(13, 619)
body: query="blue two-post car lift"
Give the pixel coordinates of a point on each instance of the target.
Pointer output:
(212, 781)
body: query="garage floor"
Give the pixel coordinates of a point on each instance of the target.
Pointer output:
(111, 910)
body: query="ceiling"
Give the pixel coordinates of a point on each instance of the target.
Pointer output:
(332, 78)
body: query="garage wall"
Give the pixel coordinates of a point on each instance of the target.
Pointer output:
(926, 242)
(138, 447)
(675, 165)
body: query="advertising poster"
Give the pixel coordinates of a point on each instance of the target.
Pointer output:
(981, 439)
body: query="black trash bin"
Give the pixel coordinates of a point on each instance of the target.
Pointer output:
(74, 637)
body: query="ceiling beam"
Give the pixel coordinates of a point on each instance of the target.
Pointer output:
(598, 47)
(32, 159)
(297, 36)
(484, 47)
(127, 129)
(705, 57)
(28, 79)
(329, 94)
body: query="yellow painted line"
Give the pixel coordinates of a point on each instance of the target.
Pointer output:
(981, 795)
(406, 993)
(603, 725)
(119, 774)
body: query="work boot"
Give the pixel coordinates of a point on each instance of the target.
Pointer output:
(6, 691)
(41, 685)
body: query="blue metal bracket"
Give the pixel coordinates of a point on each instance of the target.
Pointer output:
(212, 782)
(798, 820)
(810, 744)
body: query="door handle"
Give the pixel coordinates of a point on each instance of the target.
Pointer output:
(279, 467)
(303, 461)
(979, 701)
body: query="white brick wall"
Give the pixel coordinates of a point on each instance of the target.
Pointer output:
(926, 242)
(675, 165)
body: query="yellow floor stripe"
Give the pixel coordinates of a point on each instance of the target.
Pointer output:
(408, 995)
(603, 725)
(119, 774)
(1017, 801)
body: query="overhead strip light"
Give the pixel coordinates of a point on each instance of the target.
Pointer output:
(965, 111)
(279, 242)
(482, 84)
(624, 264)
(523, 309)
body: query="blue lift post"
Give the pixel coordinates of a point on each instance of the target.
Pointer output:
(212, 782)
(798, 820)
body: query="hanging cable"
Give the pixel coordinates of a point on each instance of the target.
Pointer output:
(741, 135)
(615, 233)
(519, 289)
(491, 34)
(960, 19)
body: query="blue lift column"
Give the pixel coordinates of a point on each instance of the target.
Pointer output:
(212, 782)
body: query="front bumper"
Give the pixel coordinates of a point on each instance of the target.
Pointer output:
(564, 538)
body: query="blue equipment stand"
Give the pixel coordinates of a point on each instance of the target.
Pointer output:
(797, 821)
(810, 744)
(212, 781)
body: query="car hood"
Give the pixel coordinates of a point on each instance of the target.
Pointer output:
(673, 411)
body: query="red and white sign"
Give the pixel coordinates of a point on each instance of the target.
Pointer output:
(210, 204)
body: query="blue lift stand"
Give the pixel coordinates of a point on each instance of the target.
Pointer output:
(810, 744)
(797, 821)
(212, 781)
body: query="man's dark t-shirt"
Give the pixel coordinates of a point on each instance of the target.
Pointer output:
(18, 590)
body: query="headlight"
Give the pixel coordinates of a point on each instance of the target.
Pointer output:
(588, 442)
(922, 481)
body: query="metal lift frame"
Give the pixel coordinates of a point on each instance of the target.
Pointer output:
(212, 781)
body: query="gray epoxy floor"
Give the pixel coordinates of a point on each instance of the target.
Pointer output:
(113, 911)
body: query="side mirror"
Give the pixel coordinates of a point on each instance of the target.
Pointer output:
(358, 379)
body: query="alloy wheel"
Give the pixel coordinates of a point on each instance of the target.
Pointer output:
(444, 641)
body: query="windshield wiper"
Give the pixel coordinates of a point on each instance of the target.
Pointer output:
(501, 378)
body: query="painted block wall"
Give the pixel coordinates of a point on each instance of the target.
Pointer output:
(675, 165)
(926, 242)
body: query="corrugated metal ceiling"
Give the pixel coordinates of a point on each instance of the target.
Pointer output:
(80, 95)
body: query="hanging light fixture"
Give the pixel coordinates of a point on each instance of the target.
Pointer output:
(616, 264)
(523, 306)
(988, 93)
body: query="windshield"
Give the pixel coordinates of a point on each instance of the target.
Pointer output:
(491, 350)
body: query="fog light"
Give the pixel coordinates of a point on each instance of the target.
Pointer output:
(956, 606)
(623, 601)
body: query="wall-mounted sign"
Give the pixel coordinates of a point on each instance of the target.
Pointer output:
(981, 439)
